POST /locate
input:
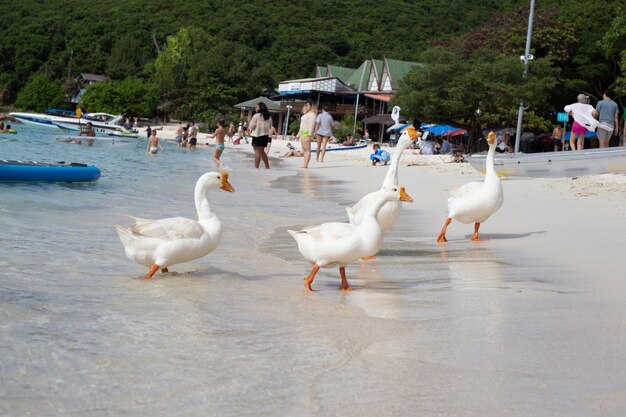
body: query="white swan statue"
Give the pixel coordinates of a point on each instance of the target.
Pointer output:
(337, 244)
(474, 202)
(395, 116)
(159, 244)
(390, 212)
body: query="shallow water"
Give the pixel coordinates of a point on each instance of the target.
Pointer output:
(454, 330)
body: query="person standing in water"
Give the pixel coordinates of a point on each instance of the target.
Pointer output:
(153, 144)
(307, 126)
(260, 126)
(323, 132)
(220, 132)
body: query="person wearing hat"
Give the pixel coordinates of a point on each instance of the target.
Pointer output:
(584, 120)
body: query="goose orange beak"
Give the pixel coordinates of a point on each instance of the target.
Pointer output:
(491, 138)
(413, 134)
(404, 196)
(225, 184)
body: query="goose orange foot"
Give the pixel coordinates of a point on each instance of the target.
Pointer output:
(152, 271)
(308, 280)
(344, 282)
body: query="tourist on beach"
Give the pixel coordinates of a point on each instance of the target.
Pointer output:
(443, 146)
(607, 116)
(584, 120)
(192, 134)
(231, 132)
(323, 132)
(558, 138)
(307, 126)
(291, 151)
(220, 132)
(272, 135)
(379, 156)
(183, 143)
(349, 141)
(427, 146)
(87, 131)
(260, 127)
(179, 134)
(153, 144)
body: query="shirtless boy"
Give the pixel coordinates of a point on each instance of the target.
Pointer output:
(153, 144)
(220, 132)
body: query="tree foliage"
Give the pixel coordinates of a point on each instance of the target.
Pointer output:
(130, 96)
(203, 57)
(484, 88)
(40, 93)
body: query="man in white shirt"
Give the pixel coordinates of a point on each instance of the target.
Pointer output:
(323, 132)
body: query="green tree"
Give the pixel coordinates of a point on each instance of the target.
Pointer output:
(40, 93)
(486, 88)
(126, 57)
(130, 96)
(614, 46)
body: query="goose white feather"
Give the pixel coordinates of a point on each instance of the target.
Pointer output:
(159, 244)
(337, 244)
(475, 202)
(390, 212)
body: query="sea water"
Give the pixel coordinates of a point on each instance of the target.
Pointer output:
(429, 330)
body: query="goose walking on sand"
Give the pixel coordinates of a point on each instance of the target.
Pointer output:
(337, 244)
(159, 244)
(474, 202)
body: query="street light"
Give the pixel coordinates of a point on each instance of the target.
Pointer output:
(289, 106)
(526, 58)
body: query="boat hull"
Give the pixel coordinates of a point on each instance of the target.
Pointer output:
(331, 148)
(47, 172)
(105, 124)
(556, 164)
(34, 119)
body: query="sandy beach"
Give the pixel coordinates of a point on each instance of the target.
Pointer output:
(528, 323)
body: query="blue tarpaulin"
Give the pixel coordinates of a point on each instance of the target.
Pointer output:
(587, 135)
(433, 129)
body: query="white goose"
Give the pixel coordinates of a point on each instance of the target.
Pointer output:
(159, 244)
(474, 202)
(337, 244)
(390, 212)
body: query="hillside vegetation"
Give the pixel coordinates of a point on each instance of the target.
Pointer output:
(199, 57)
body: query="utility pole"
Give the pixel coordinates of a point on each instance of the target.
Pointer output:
(526, 57)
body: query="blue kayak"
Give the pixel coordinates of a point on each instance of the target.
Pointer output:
(50, 172)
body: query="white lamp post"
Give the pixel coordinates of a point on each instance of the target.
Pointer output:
(526, 57)
(289, 106)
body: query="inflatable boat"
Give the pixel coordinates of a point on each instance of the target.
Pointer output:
(49, 172)
(333, 147)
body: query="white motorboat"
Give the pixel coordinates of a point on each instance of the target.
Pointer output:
(37, 119)
(102, 122)
(556, 164)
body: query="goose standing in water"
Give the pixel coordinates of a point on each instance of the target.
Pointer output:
(159, 244)
(337, 244)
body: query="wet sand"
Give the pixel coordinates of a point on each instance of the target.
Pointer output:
(515, 326)
(528, 323)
